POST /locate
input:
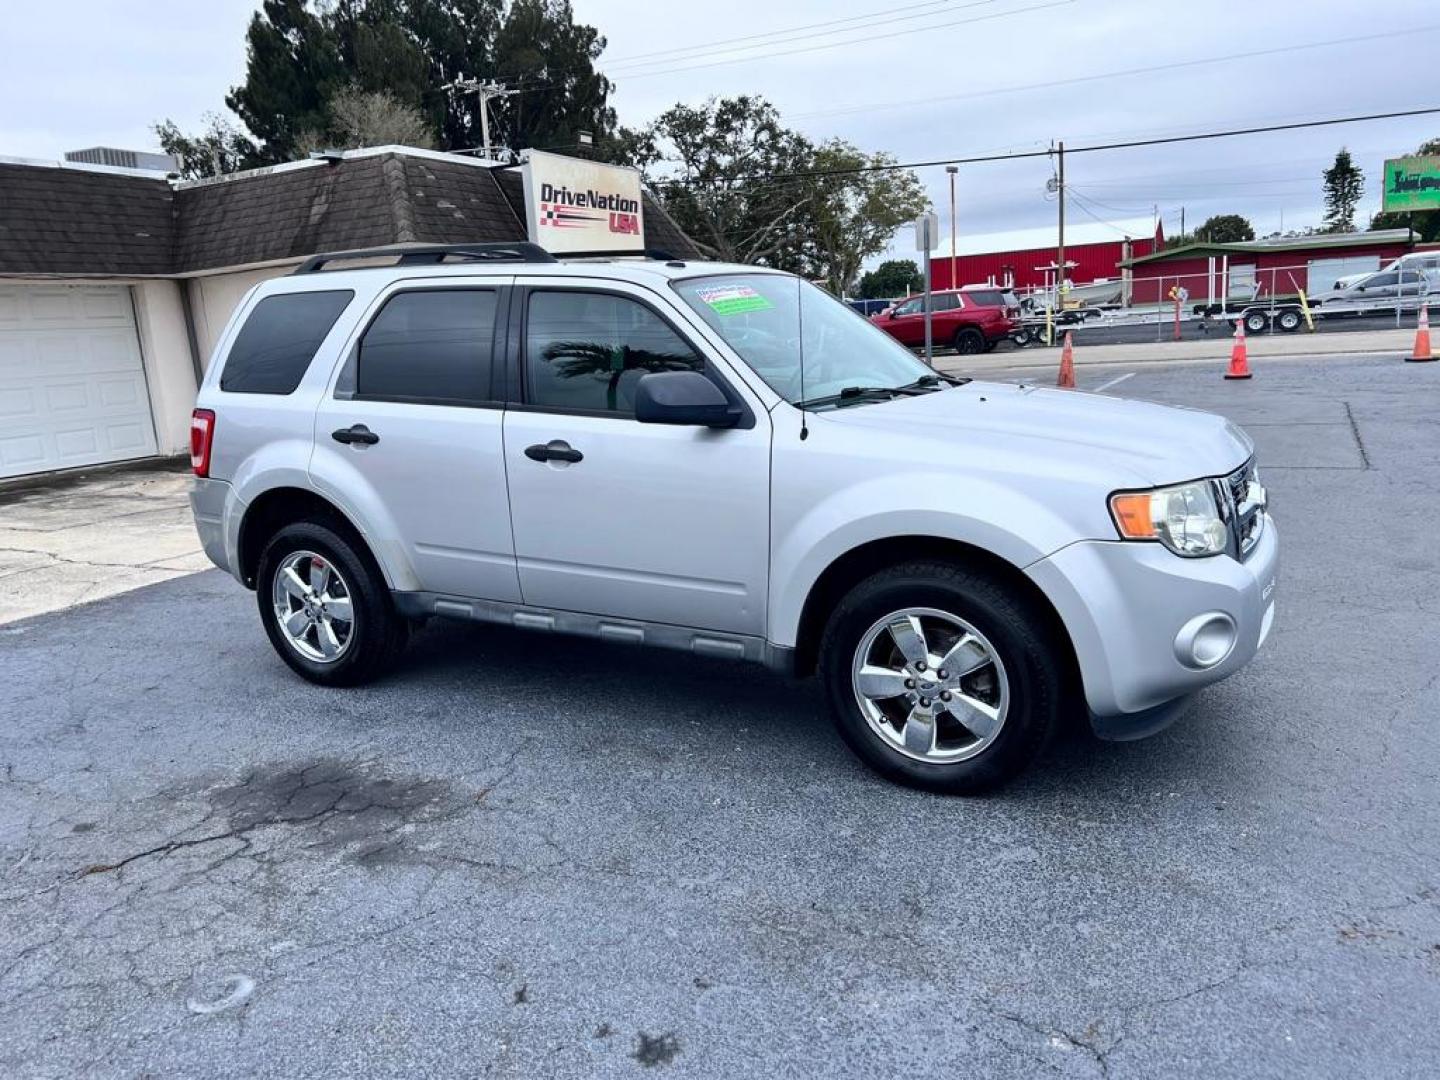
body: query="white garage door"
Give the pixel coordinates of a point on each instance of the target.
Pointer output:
(72, 386)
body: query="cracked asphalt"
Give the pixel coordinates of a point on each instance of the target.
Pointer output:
(528, 856)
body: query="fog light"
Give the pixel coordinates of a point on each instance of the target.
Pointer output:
(1205, 640)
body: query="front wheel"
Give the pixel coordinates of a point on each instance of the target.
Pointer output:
(1289, 321)
(1256, 322)
(941, 678)
(325, 608)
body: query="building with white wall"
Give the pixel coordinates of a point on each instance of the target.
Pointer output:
(115, 284)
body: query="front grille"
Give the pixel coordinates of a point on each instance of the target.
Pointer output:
(1247, 507)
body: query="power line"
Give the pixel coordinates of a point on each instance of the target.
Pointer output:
(1203, 136)
(1125, 73)
(887, 15)
(863, 40)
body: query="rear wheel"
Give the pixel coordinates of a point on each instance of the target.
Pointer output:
(1289, 321)
(1256, 322)
(325, 607)
(969, 341)
(941, 678)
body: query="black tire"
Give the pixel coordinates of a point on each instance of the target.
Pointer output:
(1256, 322)
(1289, 321)
(969, 341)
(1020, 636)
(377, 634)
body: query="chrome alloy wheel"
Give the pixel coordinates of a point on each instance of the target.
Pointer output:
(312, 607)
(930, 685)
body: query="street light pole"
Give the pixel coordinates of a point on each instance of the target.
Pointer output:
(952, 170)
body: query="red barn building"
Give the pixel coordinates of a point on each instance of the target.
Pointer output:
(1280, 266)
(1093, 252)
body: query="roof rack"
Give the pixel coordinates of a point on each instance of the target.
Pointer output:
(432, 254)
(658, 254)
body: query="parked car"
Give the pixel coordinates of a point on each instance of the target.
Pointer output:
(725, 461)
(1427, 262)
(1379, 290)
(965, 320)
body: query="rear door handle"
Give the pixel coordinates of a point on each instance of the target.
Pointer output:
(554, 450)
(355, 433)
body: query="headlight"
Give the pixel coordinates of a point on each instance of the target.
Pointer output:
(1185, 518)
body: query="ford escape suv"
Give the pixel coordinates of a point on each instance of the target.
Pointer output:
(724, 460)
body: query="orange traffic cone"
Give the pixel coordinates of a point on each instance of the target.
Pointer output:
(1239, 362)
(1422, 337)
(1067, 365)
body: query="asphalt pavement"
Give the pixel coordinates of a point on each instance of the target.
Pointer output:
(526, 856)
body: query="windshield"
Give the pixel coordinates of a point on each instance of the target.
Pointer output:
(767, 318)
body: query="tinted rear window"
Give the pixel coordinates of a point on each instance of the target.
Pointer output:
(986, 298)
(432, 345)
(279, 340)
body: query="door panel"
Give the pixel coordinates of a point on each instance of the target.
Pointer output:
(437, 474)
(655, 522)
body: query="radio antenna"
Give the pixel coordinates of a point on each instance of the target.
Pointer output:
(800, 325)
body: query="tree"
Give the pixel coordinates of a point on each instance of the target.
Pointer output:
(301, 55)
(542, 49)
(1426, 223)
(738, 181)
(1344, 188)
(375, 118)
(714, 167)
(856, 203)
(892, 278)
(1225, 229)
(219, 148)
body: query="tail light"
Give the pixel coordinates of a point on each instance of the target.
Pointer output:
(202, 435)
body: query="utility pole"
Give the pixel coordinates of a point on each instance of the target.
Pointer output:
(484, 92)
(1060, 255)
(952, 170)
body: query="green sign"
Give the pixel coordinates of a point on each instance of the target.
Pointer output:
(1412, 183)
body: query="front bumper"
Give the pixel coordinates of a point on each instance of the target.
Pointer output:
(1125, 605)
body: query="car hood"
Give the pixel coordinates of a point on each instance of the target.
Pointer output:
(1154, 444)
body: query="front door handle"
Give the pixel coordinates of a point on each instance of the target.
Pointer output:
(355, 433)
(554, 450)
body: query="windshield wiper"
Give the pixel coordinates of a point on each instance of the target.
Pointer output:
(933, 382)
(859, 394)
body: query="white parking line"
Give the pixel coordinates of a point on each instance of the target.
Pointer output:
(1114, 382)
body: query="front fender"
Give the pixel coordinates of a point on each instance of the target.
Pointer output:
(986, 515)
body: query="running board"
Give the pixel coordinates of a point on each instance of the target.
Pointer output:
(605, 628)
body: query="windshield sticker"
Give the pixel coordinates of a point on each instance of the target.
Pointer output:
(732, 299)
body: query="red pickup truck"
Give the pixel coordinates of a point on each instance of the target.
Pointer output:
(967, 320)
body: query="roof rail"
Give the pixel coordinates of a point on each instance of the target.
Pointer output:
(647, 253)
(431, 254)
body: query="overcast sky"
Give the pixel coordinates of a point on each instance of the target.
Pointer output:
(931, 80)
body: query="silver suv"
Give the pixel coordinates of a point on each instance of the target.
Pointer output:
(724, 460)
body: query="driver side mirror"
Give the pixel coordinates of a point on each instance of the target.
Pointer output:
(683, 397)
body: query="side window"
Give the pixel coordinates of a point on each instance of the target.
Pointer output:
(1380, 281)
(432, 345)
(910, 307)
(278, 341)
(945, 302)
(587, 350)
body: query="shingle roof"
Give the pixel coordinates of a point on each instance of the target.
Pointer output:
(79, 221)
(73, 221)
